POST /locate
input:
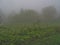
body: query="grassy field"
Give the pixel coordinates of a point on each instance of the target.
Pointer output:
(30, 34)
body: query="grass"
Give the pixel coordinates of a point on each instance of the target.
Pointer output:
(30, 34)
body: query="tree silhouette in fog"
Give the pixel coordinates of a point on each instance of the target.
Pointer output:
(49, 12)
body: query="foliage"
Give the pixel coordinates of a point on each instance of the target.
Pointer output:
(24, 16)
(49, 12)
(29, 34)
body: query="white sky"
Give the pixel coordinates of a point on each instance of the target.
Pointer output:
(8, 5)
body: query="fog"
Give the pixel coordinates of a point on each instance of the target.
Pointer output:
(30, 7)
(29, 22)
(8, 5)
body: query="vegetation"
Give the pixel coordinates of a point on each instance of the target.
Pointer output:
(28, 16)
(29, 28)
(24, 17)
(49, 13)
(29, 34)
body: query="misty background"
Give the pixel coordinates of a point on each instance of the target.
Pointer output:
(15, 7)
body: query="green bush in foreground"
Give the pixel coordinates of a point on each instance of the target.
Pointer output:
(33, 34)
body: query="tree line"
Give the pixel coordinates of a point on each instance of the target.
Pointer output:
(24, 16)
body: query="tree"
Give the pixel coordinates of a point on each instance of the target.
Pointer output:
(49, 13)
(1, 16)
(25, 16)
